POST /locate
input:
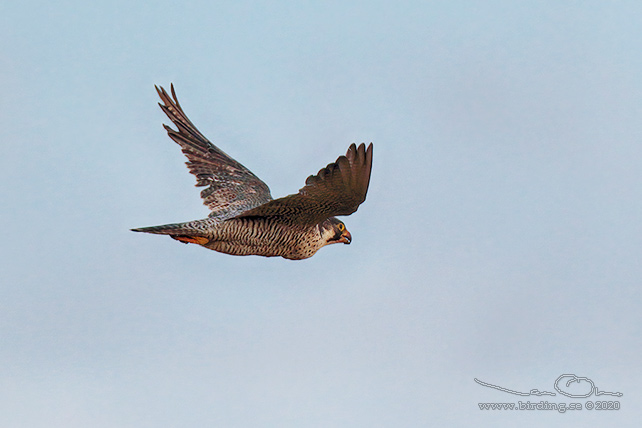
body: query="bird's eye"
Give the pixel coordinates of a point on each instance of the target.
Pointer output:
(341, 227)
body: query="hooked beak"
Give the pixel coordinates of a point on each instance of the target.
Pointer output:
(346, 238)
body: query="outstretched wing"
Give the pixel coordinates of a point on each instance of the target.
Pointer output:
(231, 188)
(338, 189)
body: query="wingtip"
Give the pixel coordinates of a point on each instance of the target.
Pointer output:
(163, 93)
(159, 90)
(171, 87)
(365, 148)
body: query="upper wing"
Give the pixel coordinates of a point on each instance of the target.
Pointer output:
(337, 189)
(232, 188)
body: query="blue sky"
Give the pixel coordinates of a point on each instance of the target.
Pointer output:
(500, 238)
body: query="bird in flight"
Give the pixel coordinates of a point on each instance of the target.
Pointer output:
(244, 219)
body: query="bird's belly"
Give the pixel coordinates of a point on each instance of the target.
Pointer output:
(243, 238)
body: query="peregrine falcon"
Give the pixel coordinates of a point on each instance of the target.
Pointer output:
(244, 219)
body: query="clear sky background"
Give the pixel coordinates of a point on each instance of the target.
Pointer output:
(500, 239)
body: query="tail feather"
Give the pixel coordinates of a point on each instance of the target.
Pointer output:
(166, 229)
(190, 228)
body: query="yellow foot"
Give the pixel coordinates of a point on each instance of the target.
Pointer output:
(191, 239)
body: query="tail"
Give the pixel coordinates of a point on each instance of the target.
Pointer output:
(195, 232)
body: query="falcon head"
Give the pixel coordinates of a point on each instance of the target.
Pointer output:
(334, 231)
